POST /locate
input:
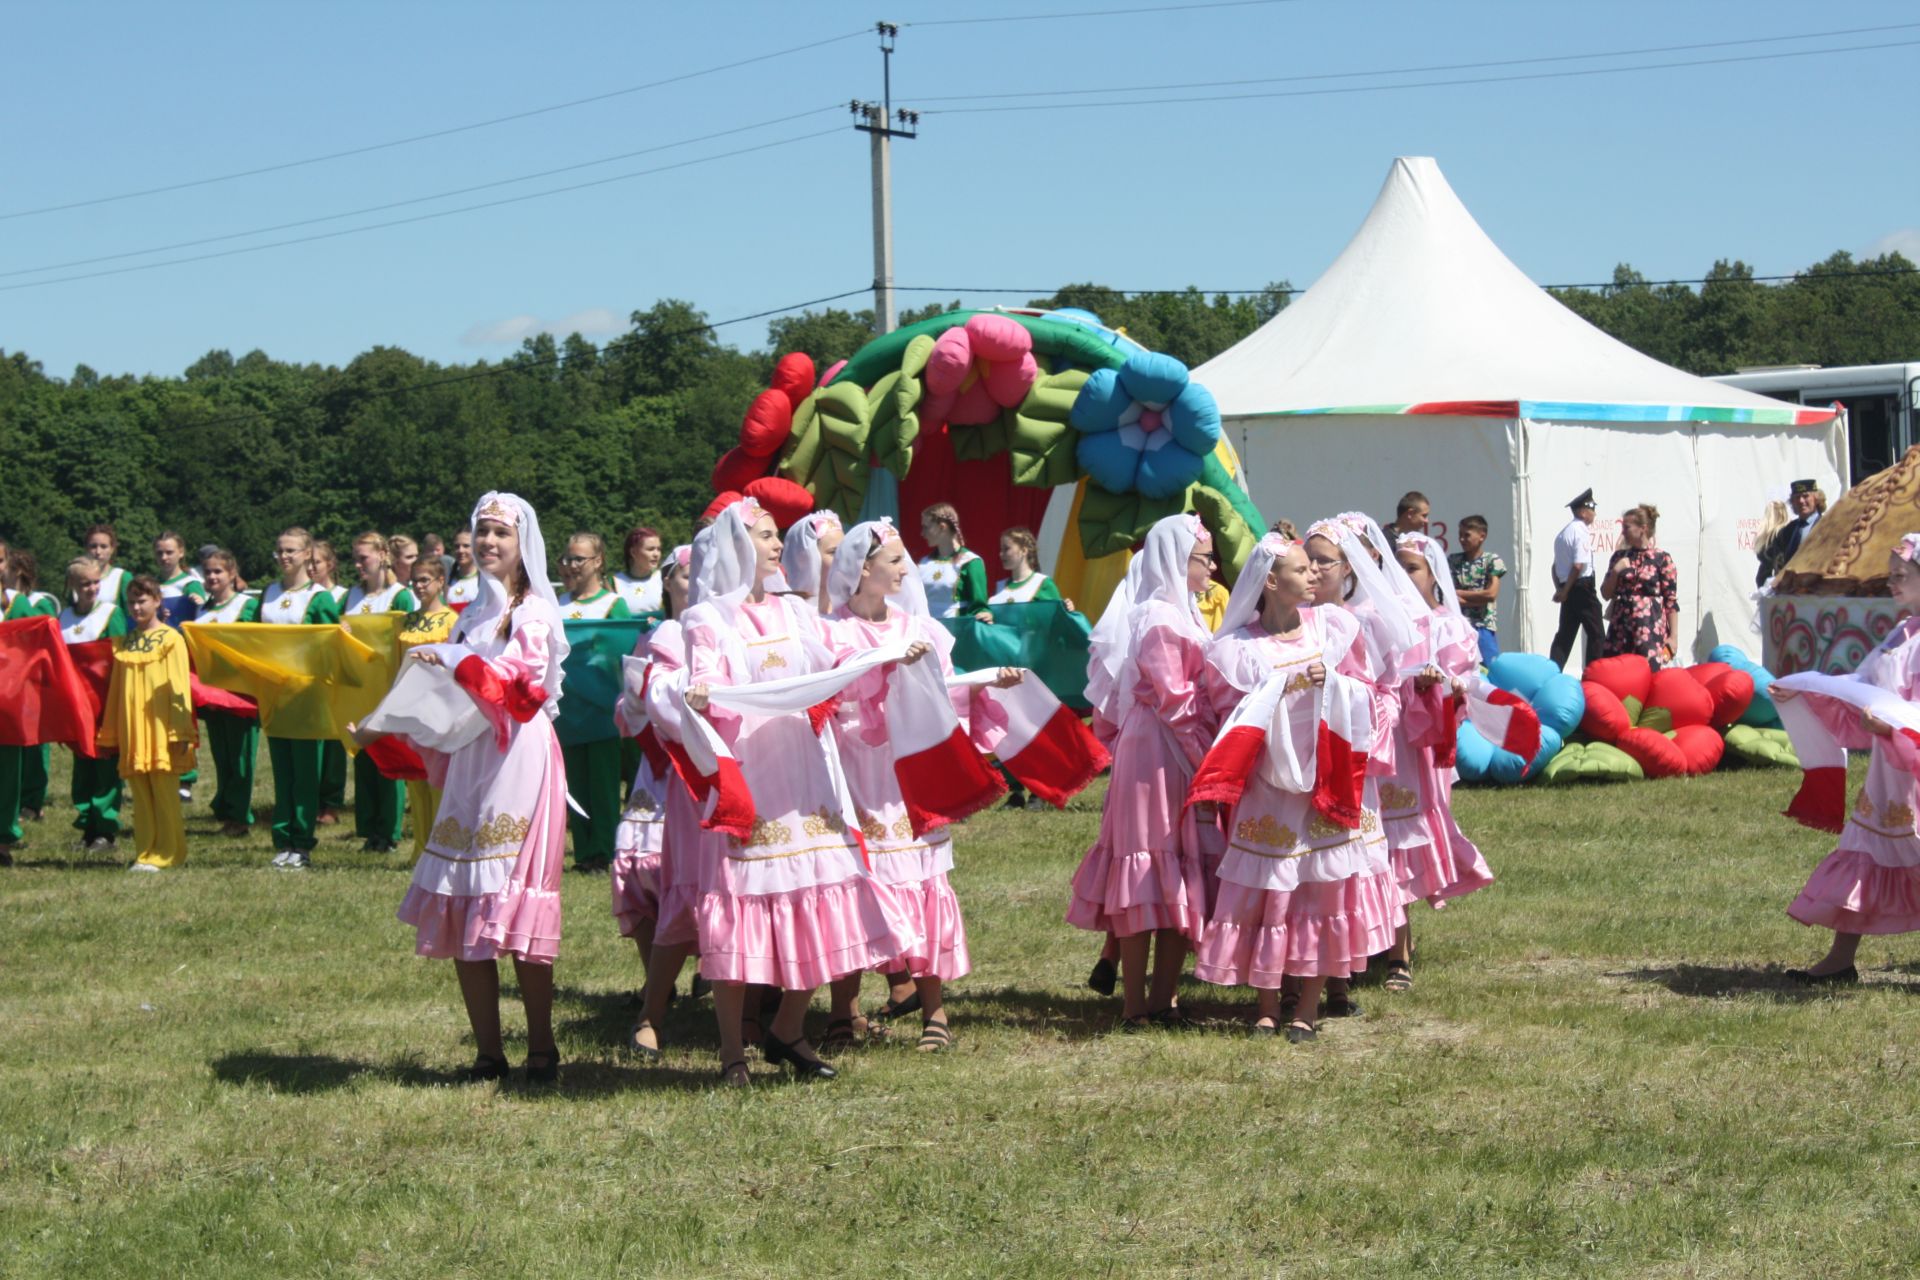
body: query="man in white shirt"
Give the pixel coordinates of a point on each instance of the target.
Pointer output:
(1573, 587)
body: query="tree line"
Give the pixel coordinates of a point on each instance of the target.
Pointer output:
(600, 437)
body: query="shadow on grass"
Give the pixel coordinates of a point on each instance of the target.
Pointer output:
(313, 1073)
(1714, 982)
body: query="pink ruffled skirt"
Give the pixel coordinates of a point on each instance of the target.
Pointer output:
(677, 884)
(804, 938)
(931, 907)
(1447, 866)
(1322, 929)
(1145, 871)
(636, 892)
(1851, 893)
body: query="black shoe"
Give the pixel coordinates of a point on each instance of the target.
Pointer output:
(1340, 1006)
(485, 1069)
(699, 988)
(1299, 1033)
(1018, 800)
(1104, 976)
(1838, 978)
(1173, 1019)
(548, 1072)
(776, 1051)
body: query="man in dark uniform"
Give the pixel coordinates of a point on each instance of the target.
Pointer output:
(1804, 499)
(1573, 587)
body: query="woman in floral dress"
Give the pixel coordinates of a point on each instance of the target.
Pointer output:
(1644, 591)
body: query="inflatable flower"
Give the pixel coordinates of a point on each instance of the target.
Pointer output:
(1145, 427)
(977, 370)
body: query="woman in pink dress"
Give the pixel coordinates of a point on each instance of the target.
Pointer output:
(1300, 896)
(641, 867)
(1432, 858)
(1871, 882)
(488, 884)
(806, 552)
(792, 905)
(877, 600)
(1144, 880)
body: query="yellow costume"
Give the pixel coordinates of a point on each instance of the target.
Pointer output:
(148, 719)
(1212, 604)
(423, 799)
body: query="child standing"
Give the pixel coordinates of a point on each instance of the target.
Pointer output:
(431, 623)
(954, 579)
(377, 799)
(295, 599)
(148, 719)
(234, 739)
(593, 768)
(96, 782)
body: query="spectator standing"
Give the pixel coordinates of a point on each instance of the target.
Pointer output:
(1808, 504)
(1411, 515)
(1476, 577)
(1644, 590)
(1573, 588)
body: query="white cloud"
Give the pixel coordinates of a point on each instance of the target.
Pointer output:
(1905, 241)
(594, 322)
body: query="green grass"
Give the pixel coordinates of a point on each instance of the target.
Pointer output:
(225, 1071)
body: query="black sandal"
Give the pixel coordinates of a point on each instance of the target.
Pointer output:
(842, 1033)
(1137, 1023)
(1173, 1018)
(548, 1072)
(726, 1074)
(896, 1008)
(650, 1052)
(1261, 1031)
(485, 1069)
(1342, 1005)
(935, 1037)
(1299, 1032)
(1399, 976)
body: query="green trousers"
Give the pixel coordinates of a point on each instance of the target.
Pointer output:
(96, 797)
(378, 802)
(33, 778)
(11, 760)
(235, 743)
(333, 777)
(593, 780)
(296, 790)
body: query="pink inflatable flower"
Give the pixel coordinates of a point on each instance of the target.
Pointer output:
(976, 370)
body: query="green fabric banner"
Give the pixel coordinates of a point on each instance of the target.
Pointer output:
(591, 680)
(1043, 637)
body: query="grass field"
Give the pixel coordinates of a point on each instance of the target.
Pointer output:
(227, 1071)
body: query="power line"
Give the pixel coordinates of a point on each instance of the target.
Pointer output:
(517, 365)
(1427, 84)
(423, 217)
(400, 204)
(436, 133)
(1405, 71)
(1097, 13)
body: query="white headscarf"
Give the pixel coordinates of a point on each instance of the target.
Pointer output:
(495, 600)
(861, 542)
(1384, 589)
(723, 561)
(1437, 566)
(1154, 593)
(1243, 606)
(800, 557)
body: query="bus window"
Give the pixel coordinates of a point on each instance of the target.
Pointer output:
(1873, 434)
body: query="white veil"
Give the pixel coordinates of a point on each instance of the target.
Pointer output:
(843, 578)
(1437, 566)
(1383, 589)
(494, 600)
(1243, 606)
(1155, 589)
(800, 557)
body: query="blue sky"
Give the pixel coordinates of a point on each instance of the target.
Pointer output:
(1778, 162)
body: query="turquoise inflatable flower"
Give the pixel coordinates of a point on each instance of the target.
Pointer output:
(1145, 427)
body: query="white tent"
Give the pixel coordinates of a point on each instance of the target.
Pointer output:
(1424, 359)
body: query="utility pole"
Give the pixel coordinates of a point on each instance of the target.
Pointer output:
(876, 120)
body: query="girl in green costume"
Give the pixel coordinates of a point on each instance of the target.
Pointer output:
(233, 739)
(379, 802)
(593, 768)
(955, 579)
(295, 598)
(324, 565)
(101, 544)
(96, 782)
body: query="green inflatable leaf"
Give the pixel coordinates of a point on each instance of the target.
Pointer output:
(1214, 475)
(989, 439)
(1233, 539)
(1112, 522)
(1591, 762)
(1658, 719)
(1761, 746)
(884, 355)
(890, 439)
(1044, 441)
(827, 452)
(1633, 713)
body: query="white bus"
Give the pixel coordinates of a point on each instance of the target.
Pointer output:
(1882, 403)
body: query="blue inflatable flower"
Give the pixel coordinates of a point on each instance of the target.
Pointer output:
(1145, 427)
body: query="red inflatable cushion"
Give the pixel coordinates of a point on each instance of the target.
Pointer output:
(784, 500)
(720, 504)
(1685, 699)
(1701, 745)
(1705, 672)
(736, 470)
(1627, 675)
(768, 423)
(1657, 755)
(1732, 694)
(793, 378)
(1606, 716)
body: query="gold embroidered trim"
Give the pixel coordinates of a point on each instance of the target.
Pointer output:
(843, 845)
(1320, 826)
(1398, 797)
(764, 831)
(871, 827)
(1897, 816)
(824, 822)
(903, 829)
(490, 857)
(773, 660)
(1296, 682)
(500, 829)
(1266, 830)
(1322, 833)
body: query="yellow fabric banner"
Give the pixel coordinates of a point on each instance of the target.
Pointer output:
(310, 681)
(1088, 583)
